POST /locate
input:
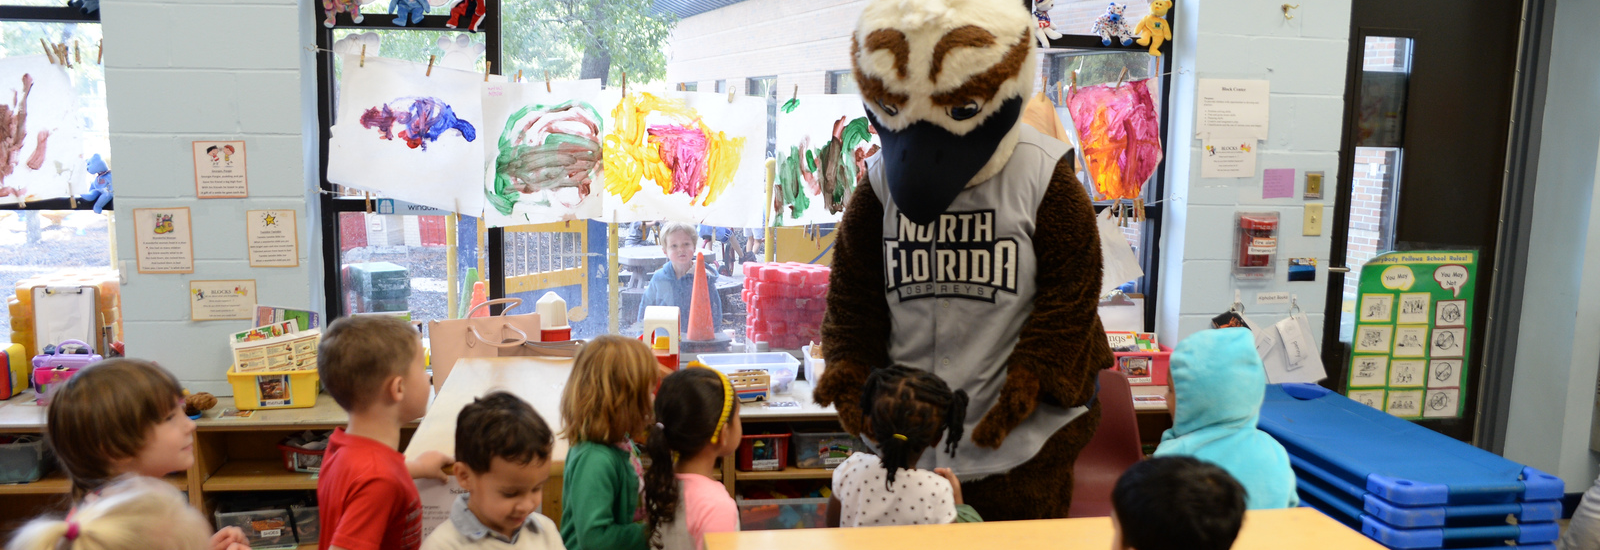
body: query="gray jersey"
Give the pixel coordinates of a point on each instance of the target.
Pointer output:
(959, 290)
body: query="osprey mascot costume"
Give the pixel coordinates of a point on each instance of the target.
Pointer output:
(970, 252)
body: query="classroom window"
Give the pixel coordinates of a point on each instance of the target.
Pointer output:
(842, 82)
(689, 86)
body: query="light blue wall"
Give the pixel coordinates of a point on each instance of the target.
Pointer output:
(175, 75)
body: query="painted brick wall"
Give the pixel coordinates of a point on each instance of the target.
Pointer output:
(248, 77)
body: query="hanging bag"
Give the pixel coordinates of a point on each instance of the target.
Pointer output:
(501, 335)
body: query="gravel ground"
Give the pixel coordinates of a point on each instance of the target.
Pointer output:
(80, 240)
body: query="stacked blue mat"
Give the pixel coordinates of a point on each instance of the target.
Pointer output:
(1405, 486)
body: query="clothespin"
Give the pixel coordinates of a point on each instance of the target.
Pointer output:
(730, 96)
(624, 83)
(363, 55)
(1059, 98)
(1122, 76)
(430, 66)
(547, 82)
(51, 54)
(100, 52)
(519, 76)
(61, 53)
(796, 94)
(486, 67)
(73, 200)
(77, 57)
(369, 202)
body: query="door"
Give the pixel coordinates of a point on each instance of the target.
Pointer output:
(1427, 114)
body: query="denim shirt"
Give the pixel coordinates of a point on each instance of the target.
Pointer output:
(666, 289)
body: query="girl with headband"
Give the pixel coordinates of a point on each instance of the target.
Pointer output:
(697, 422)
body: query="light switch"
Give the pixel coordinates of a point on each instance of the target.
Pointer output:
(1313, 219)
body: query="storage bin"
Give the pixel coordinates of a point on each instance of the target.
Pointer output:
(274, 390)
(763, 452)
(306, 527)
(781, 366)
(24, 459)
(263, 528)
(822, 449)
(813, 365)
(1145, 368)
(305, 461)
(782, 513)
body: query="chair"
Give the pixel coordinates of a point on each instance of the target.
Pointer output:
(1114, 448)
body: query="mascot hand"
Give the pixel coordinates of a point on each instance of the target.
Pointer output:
(840, 386)
(1017, 400)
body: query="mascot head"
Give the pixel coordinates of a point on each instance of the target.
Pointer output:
(944, 83)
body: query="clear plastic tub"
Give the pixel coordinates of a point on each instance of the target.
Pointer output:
(781, 366)
(23, 460)
(782, 513)
(822, 449)
(267, 527)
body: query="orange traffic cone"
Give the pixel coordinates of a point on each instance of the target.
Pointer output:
(479, 296)
(700, 304)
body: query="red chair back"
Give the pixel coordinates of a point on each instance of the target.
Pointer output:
(1114, 448)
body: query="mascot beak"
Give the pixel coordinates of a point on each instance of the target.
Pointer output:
(927, 166)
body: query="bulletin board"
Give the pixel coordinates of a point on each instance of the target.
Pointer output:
(1413, 331)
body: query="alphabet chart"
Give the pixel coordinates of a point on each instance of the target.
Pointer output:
(1413, 314)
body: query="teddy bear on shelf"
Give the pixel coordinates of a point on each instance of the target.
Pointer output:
(100, 190)
(1111, 26)
(335, 7)
(1154, 29)
(476, 15)
(1047, 30)
(408, 10)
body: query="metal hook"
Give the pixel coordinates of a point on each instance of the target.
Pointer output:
(1286, 8)
(1238, 302)
(1294, 304)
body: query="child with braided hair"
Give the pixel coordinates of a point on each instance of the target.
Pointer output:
(697, 422)
(907, 411)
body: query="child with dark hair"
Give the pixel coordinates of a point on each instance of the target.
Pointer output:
(503, 461)
(1176, 503)
(697, 422)
(907, 411)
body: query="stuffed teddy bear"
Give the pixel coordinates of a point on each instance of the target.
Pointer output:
(476, 18)
(1047, 30)
(1153, 29)
(1111, 26)
(85, 6)
(408, 9)
(969, 250)
(335, 7)
(100, 190)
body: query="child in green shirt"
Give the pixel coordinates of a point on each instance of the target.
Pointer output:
(607, 399)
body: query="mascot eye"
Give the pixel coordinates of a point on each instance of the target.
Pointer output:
(965, 111)
(892, 110)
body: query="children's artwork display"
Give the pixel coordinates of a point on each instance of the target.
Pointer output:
(685, 156)
(1412, 333)
(823, 145)
(410, 135)
(1119, 134)
(543, 150)
(41, 131)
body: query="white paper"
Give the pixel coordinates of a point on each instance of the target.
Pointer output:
(740, 204)
(437, 497)
(809, 128)
(221, 300)
(1407, 373)
(1404, 403)
(1414, 308)
(510, 145)
(1233, 107)
(1120, 263)
(1290, 352)
(220, 170)
(65, 313)
(1270, 298)
(439, 169)
(163, 240)
(41, 168)
(272, 238)
(1228, 157)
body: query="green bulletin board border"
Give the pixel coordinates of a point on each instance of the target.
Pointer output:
(1413, 333)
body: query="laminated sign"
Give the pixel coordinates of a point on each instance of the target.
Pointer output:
(1409, 351)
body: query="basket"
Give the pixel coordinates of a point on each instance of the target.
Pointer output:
(274, 390)
(771, 455)
(300, 460)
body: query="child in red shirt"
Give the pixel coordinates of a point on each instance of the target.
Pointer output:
(373, 366)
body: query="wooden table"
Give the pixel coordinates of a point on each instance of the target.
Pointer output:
(1298, 528)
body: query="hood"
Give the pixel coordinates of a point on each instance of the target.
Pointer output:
(1219, 381)
(944, 83)
(96, 165)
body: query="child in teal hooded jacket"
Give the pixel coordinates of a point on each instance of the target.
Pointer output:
(1218, 382)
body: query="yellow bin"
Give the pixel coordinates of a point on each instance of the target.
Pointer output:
(274, 390)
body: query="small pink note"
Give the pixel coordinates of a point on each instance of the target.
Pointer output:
(1277, 183)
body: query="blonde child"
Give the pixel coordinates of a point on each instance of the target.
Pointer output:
(135, 513)
(123, 417)
(697, 421)
(606, 401)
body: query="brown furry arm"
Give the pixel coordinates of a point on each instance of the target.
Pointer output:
(855, 332)
(1062, 345)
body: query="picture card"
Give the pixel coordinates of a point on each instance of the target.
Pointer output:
(1411, 341)
(1377, 308)
(1450, 313)
(1414, 308)
(1449, 342)
(1373, 338)
(1442, 403)
(1370, 398)
(1404, 404)
(1407, 373)
(1369, 371)
(1444, 373)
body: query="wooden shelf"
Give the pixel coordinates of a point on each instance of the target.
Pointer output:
(258, 475)
(56, 484)
(786, 473)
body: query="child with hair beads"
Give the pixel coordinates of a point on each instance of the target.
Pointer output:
(135, 513)
(606, 402)
(697, 421)
(123, 417)
(907, 411)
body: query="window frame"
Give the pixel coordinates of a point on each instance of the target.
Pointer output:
(48, 14)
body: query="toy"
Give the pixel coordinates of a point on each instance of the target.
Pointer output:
(407, 10)
(750, 385)
(85, 6)
(100, 190)
(71, 353)
(959, 170)
(1047, 30)
(334, 7)
(14, 370)
(661, 334)
(198, 403)
(1153, 29)
(1111, 25)
(460, 9)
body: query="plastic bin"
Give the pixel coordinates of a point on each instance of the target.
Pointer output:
(822, 450)
(781, 366)
(274, 390)
(306, 526)
(24, 460)
(763, 452)
(296, 459)
(1335, 491)
(782, 513)
(265, 527)
(1145, 368)
(813, 365)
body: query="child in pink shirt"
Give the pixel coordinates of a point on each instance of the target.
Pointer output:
(697, 421)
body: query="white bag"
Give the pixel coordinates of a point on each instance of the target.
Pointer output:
(1120, 264)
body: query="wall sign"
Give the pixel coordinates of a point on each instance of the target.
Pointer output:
(219, 170)
(1413, 332)
(222, 300)
(273, 239)
(163, 240)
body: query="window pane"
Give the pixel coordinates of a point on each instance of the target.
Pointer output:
(1379, 156)
(41, 242)
(842, 82)
(394, 263)
(586, 39)
(1078, 16)
(21, 38)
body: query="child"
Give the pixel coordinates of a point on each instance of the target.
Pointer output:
(1176, 503)
(697, 421)
(607, 399)
(908, 411)
(502, 460)
(1217, 387)
(673, 284)
(135, 513)
(123, 417)
(372, 366)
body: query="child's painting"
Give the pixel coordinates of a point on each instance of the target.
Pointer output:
(687, 157)
(1119, 134)
(823, 145)
(409, 135)
(543, 150)
(41, 131)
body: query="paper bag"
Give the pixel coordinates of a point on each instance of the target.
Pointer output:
(1121, 265)
(495, 336)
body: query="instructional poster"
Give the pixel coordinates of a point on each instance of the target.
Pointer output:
(1228, 157)
(222, 300)
(163, 240)
(1413, 332)
(219, 170)
(1233, 107)
(272, 238)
